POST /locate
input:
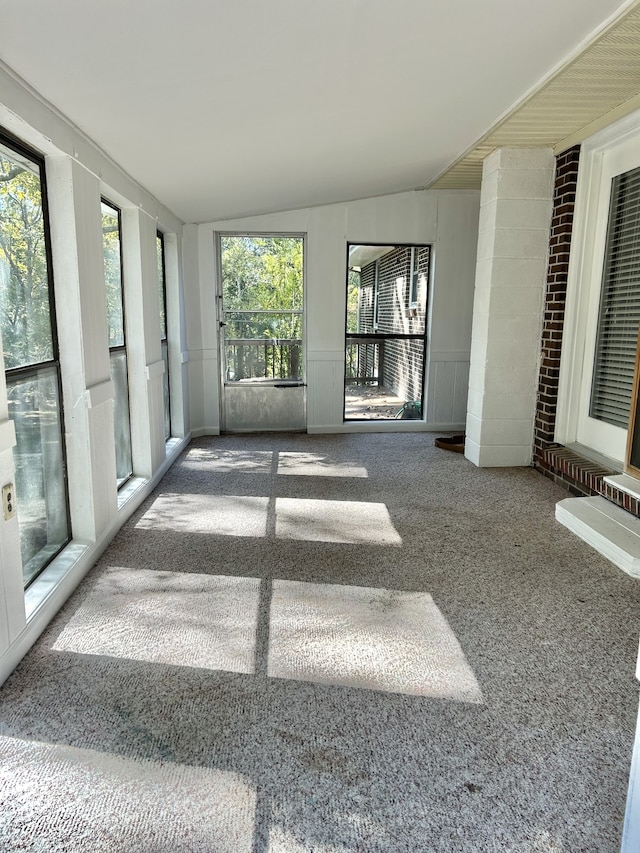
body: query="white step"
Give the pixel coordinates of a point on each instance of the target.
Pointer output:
(606, 527)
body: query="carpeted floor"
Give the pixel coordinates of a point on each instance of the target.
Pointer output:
(327, 645)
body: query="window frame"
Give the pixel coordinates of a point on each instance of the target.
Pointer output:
(164, 336)
(121, 348)
(611, 152)
(28, 372)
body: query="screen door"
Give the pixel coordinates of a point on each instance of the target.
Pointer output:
(261, 319)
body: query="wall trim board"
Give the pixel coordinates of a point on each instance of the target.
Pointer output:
(102, 392)
(155, 369)
(384, 426)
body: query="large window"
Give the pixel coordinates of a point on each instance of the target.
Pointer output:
(162, 300)
(27, 323)
(603, 296)
(619, 315)
(112, 252)
(385, 335)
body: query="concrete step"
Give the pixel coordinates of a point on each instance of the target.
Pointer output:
(606, 527)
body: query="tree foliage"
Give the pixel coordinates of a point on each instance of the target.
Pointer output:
(25, 318)
(112, 274)
(262, 290)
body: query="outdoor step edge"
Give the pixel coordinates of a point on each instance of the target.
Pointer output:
(606, 527)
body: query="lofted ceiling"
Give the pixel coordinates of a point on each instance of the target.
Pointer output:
(226, 109)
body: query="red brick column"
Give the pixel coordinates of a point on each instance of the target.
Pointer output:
(559, 247)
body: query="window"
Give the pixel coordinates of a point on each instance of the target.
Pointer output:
(27, 323)
(162, 300)
(415, 275)
(603, 296)
(385, 334)
(619, 314)
(376, 297)
(112, 254)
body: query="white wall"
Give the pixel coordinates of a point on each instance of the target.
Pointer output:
(446, 219)
(78, 174)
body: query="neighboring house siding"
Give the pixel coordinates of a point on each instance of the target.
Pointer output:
(365, 306)
(402, 367)
(565, 466)
(367, 360)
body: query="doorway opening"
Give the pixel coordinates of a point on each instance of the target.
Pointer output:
(261, 318)
(385, 333)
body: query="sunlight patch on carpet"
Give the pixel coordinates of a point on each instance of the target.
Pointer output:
(281, 841)
(349, 522)
(220, 515)
(118, 803)
(228, 461)
(378, 639)
(317, 465)
(194, 620)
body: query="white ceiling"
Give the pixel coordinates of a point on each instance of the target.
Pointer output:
(225, 109)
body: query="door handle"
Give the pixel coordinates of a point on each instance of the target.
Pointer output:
(222, 324)
(291, 385)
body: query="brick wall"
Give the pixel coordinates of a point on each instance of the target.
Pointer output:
(579, 475)
(368, 362)
(556, 292)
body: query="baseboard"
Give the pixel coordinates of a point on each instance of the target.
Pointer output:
(392, 425)
(201, 432)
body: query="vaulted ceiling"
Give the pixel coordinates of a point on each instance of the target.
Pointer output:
(224, 109)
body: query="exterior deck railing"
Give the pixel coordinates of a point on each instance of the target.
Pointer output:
(269, 358)
(363, 359)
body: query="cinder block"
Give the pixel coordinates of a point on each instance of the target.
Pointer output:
(472, 451)
(533, 184)
(519, 272)
(524, 158)
(474, 428)
(521, 213)
(507, 406)
(524, 301)
(488, 188)
(507, 456)
(502, 432)
(518, 243)
(486, 244)
(507, 379)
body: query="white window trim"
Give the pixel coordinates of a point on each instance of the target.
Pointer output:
(612, 151)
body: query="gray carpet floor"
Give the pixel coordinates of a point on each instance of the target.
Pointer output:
(307, 644)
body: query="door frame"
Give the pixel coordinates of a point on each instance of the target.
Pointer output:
(217, 235)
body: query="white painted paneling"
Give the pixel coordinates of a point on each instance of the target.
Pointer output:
(146, 396)
(447, 220)
(448, 388)
(78, 268)
(176, 334)
(325, 391)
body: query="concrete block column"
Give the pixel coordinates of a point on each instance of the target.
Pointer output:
(513, 244)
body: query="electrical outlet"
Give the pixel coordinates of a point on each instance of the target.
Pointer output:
(8, 501)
